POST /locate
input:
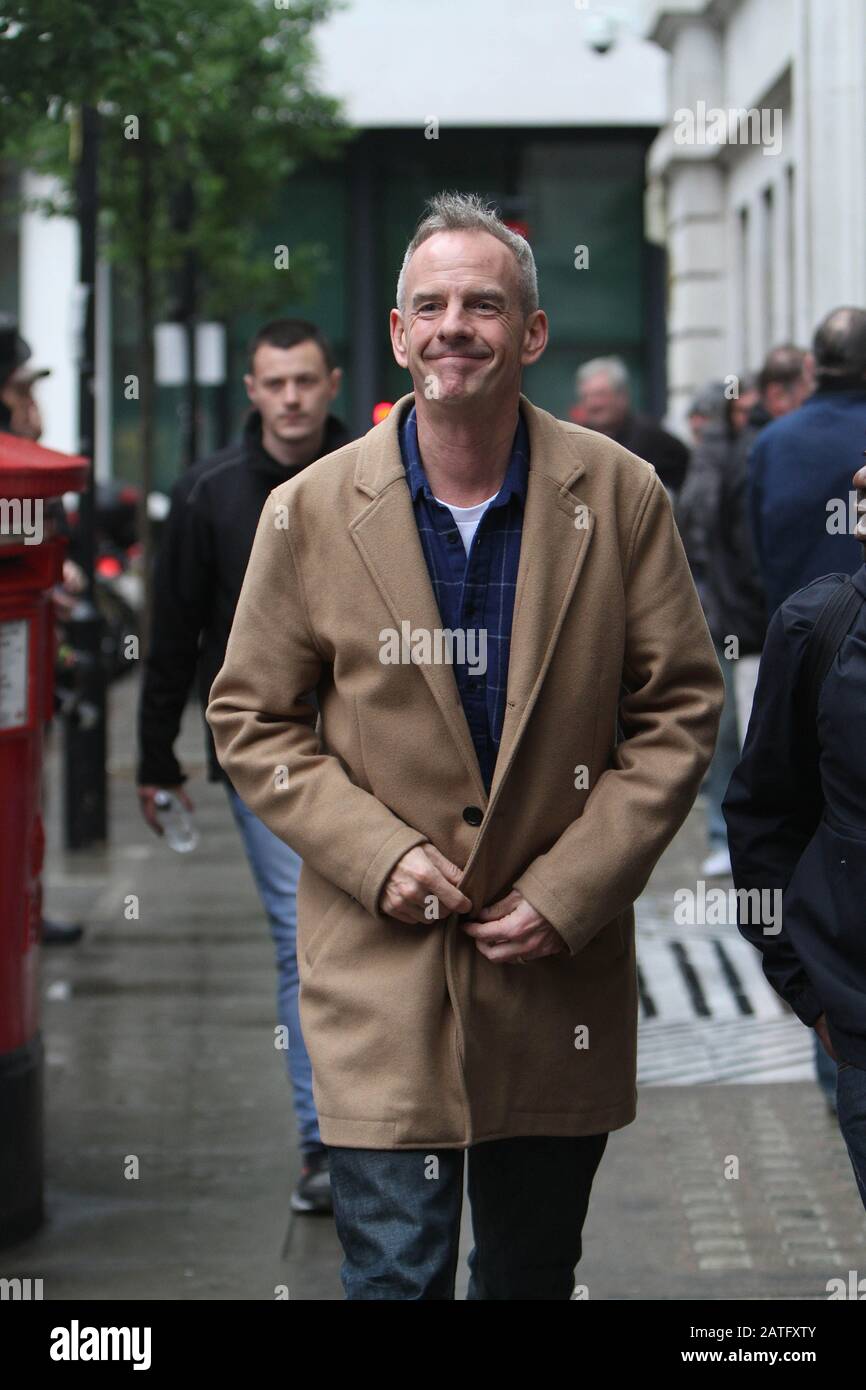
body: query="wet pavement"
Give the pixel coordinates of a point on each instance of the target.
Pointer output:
(170, 1154)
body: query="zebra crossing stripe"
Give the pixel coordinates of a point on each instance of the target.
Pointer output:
(647, 1003)
(706, 978)
(732, 978)
(708, 1015)
(664, 987)
(690, 976)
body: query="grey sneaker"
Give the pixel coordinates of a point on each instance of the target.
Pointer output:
(313, 1192)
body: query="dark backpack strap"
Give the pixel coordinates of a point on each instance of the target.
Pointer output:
(831, 628)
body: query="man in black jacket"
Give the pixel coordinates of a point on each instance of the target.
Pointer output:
(604, 404)
(215, 509)
(797, 834)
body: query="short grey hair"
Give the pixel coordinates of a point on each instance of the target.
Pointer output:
(613, 368)
(467, 212)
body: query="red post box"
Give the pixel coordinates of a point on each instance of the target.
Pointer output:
(31, 561)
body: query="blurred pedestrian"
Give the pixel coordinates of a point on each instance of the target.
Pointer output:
(784, 382)
(19, 409)
(713, 432)
(732, 588)
(697, 514)
(604, 402)
(20, 415)
(800, 467)
(479, 594)
(797, 825)
(291, 380)
(709, 406)
(743, 401)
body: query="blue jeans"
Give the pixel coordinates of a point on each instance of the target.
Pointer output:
(397, 1214)
(851, 1109)
(275, 869)
(825, 1071)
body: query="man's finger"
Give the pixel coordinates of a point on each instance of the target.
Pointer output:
(505, 953)
(496, 930)
(526, 948)
(499, 909)
(446, 894)
(451, 871)
(418, 895)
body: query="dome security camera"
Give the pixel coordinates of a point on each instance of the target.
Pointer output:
(601, 32)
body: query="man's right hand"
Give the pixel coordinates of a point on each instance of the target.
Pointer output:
(147, 802)
(421, 887)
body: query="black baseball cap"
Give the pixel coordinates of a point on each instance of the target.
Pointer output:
(15, 351)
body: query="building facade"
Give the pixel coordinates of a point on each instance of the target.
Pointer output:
(758, 176)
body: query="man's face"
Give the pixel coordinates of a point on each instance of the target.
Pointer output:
(17, 395)
(697, 424)
(293, 390)
(781, 399)
(741, 408)
(604, 406)
(462, 334)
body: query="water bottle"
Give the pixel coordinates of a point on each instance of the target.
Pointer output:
(178, 829)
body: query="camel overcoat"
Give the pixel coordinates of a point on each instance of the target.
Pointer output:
(613, 702)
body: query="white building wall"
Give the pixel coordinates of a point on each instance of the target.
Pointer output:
(491, 63)
(834, 157)
(48, 272)
(758, 45)
(804, 251)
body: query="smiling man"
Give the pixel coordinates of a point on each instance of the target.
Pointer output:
(473, 841)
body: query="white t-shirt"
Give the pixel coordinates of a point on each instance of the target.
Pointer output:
(466, 519)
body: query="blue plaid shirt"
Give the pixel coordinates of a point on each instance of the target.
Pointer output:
(475, 591)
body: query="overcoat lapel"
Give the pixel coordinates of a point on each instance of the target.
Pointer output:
(557, 529)
(387, 537)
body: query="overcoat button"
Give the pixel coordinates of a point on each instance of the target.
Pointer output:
(473, 815)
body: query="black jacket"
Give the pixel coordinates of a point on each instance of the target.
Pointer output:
(667, 454)
(796, 820)
(215, 509)
(698, 501)
(736, 603)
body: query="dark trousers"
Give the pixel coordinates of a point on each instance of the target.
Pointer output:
(851, 1109)
(398, 1217)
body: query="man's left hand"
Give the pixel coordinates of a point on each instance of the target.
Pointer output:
(511, 932)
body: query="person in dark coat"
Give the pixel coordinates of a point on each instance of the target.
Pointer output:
(796, 820)
(713, 521)
(604, 404)
(799, 468)
(215, 509)
(798, 481)
(738, 603)
(711, 423)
